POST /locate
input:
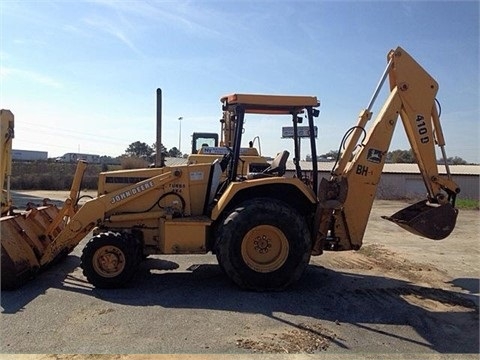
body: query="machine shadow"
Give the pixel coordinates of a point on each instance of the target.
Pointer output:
(53, 276)
(469, 284)
(363, 301)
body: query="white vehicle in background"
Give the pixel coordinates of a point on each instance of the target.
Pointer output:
(29, 155)
(74, 157)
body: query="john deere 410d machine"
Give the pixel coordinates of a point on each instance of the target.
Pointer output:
(262, 226)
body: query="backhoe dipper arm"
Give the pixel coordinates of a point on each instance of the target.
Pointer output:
(419, 114)
(356, 177)
(93, 212)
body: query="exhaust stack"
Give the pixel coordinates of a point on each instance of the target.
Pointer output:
(159, 160)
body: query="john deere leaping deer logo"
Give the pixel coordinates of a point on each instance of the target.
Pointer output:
(374, 156)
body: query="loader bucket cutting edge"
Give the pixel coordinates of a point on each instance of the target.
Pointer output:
(435, 222)
(23, 243)
(15, 274)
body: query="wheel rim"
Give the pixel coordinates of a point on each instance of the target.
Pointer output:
(265, 248)
(109, 261)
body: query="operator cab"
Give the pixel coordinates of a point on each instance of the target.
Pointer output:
(202, 140)
(235, 106)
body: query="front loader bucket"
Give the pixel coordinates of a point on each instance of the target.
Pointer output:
(28, 238)
(24, 240)
(432, 221)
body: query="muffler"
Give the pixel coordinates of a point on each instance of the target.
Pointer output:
(425, 219)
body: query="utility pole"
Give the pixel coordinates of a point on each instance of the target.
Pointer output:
(180, 133)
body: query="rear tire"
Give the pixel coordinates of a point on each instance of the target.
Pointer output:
(263, 244)
(109, 260)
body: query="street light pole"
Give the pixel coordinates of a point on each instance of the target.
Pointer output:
(180, 133)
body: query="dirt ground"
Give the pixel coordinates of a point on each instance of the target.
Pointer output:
(399, 297)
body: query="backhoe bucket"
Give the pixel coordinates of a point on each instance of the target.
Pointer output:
(24, 242)
(432, 221)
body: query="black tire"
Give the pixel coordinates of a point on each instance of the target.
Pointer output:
(109, 260)
(263, 244)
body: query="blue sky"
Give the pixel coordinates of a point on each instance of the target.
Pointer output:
(81, 75)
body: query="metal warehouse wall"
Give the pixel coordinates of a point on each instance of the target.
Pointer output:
(469, 185)
(397, 186)
(403, 185)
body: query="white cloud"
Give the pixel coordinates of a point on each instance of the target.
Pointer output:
(185, 15)
(104, 25)
(6, 72)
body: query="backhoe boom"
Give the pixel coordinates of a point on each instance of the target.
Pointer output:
(359, 168)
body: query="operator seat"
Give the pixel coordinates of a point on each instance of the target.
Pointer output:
(213, 183)
(276, 168)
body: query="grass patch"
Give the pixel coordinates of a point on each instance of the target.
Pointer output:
(467, 204)
(50, 176)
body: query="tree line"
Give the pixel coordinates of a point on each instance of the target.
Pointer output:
(395, 156)
(144, 151)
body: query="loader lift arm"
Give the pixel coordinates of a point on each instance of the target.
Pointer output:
(93, 212)
(347, 198)
(34, 239)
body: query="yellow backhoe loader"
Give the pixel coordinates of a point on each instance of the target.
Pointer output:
(262, 226)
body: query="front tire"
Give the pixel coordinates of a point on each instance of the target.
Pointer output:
(263, 244)
(109, 260)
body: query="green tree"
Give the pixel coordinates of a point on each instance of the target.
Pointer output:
(456, 160)
(140, 150)
(174, 152)
(162, 148)
(400, 156)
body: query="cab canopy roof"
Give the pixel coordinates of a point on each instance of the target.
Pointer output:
(270, 104)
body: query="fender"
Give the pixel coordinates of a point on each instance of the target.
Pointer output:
(236, 188)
